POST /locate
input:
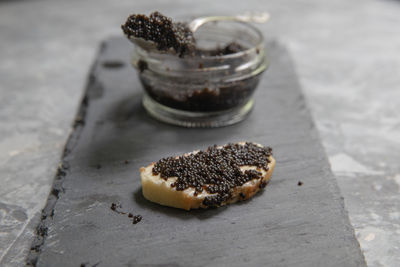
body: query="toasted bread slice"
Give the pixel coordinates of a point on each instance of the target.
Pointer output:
(162, 190)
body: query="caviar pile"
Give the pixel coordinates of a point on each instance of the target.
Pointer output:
(161, 30)
(230, 48)
(216, 170)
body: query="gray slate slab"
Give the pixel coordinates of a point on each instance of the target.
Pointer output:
(285, 225)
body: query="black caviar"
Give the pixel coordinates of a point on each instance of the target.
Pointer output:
(136, 219)
(161, 30)
(175, 36)
(116, 207)
(225, 96)
(222, 97)
(216, 170)
(230, 48)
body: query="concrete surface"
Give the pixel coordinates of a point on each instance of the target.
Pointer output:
(347, 58)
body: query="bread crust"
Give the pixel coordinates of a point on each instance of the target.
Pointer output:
(158, 190)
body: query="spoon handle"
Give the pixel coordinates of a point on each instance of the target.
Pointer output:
(246, 17)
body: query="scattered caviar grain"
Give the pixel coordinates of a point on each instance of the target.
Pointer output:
(263, 184)
(116, 207)
(142, 65)
(113, 206)
(300, 183)
(137, 219)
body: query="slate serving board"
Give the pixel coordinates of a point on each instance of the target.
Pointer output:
(285, 225)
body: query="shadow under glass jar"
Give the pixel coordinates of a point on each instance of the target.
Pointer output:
(204, 90)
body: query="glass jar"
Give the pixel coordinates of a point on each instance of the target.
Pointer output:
(204, 90)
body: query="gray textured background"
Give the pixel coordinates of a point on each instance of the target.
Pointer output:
(348, 61)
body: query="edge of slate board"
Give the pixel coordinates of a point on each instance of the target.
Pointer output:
(57, 189)
(62, 171)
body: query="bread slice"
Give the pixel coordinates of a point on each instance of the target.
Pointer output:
(162, 191)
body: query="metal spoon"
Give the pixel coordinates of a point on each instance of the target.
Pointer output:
(195, 24)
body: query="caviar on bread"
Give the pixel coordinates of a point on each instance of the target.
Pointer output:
(215, 177)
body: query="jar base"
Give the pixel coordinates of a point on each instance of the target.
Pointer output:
(192, 119)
